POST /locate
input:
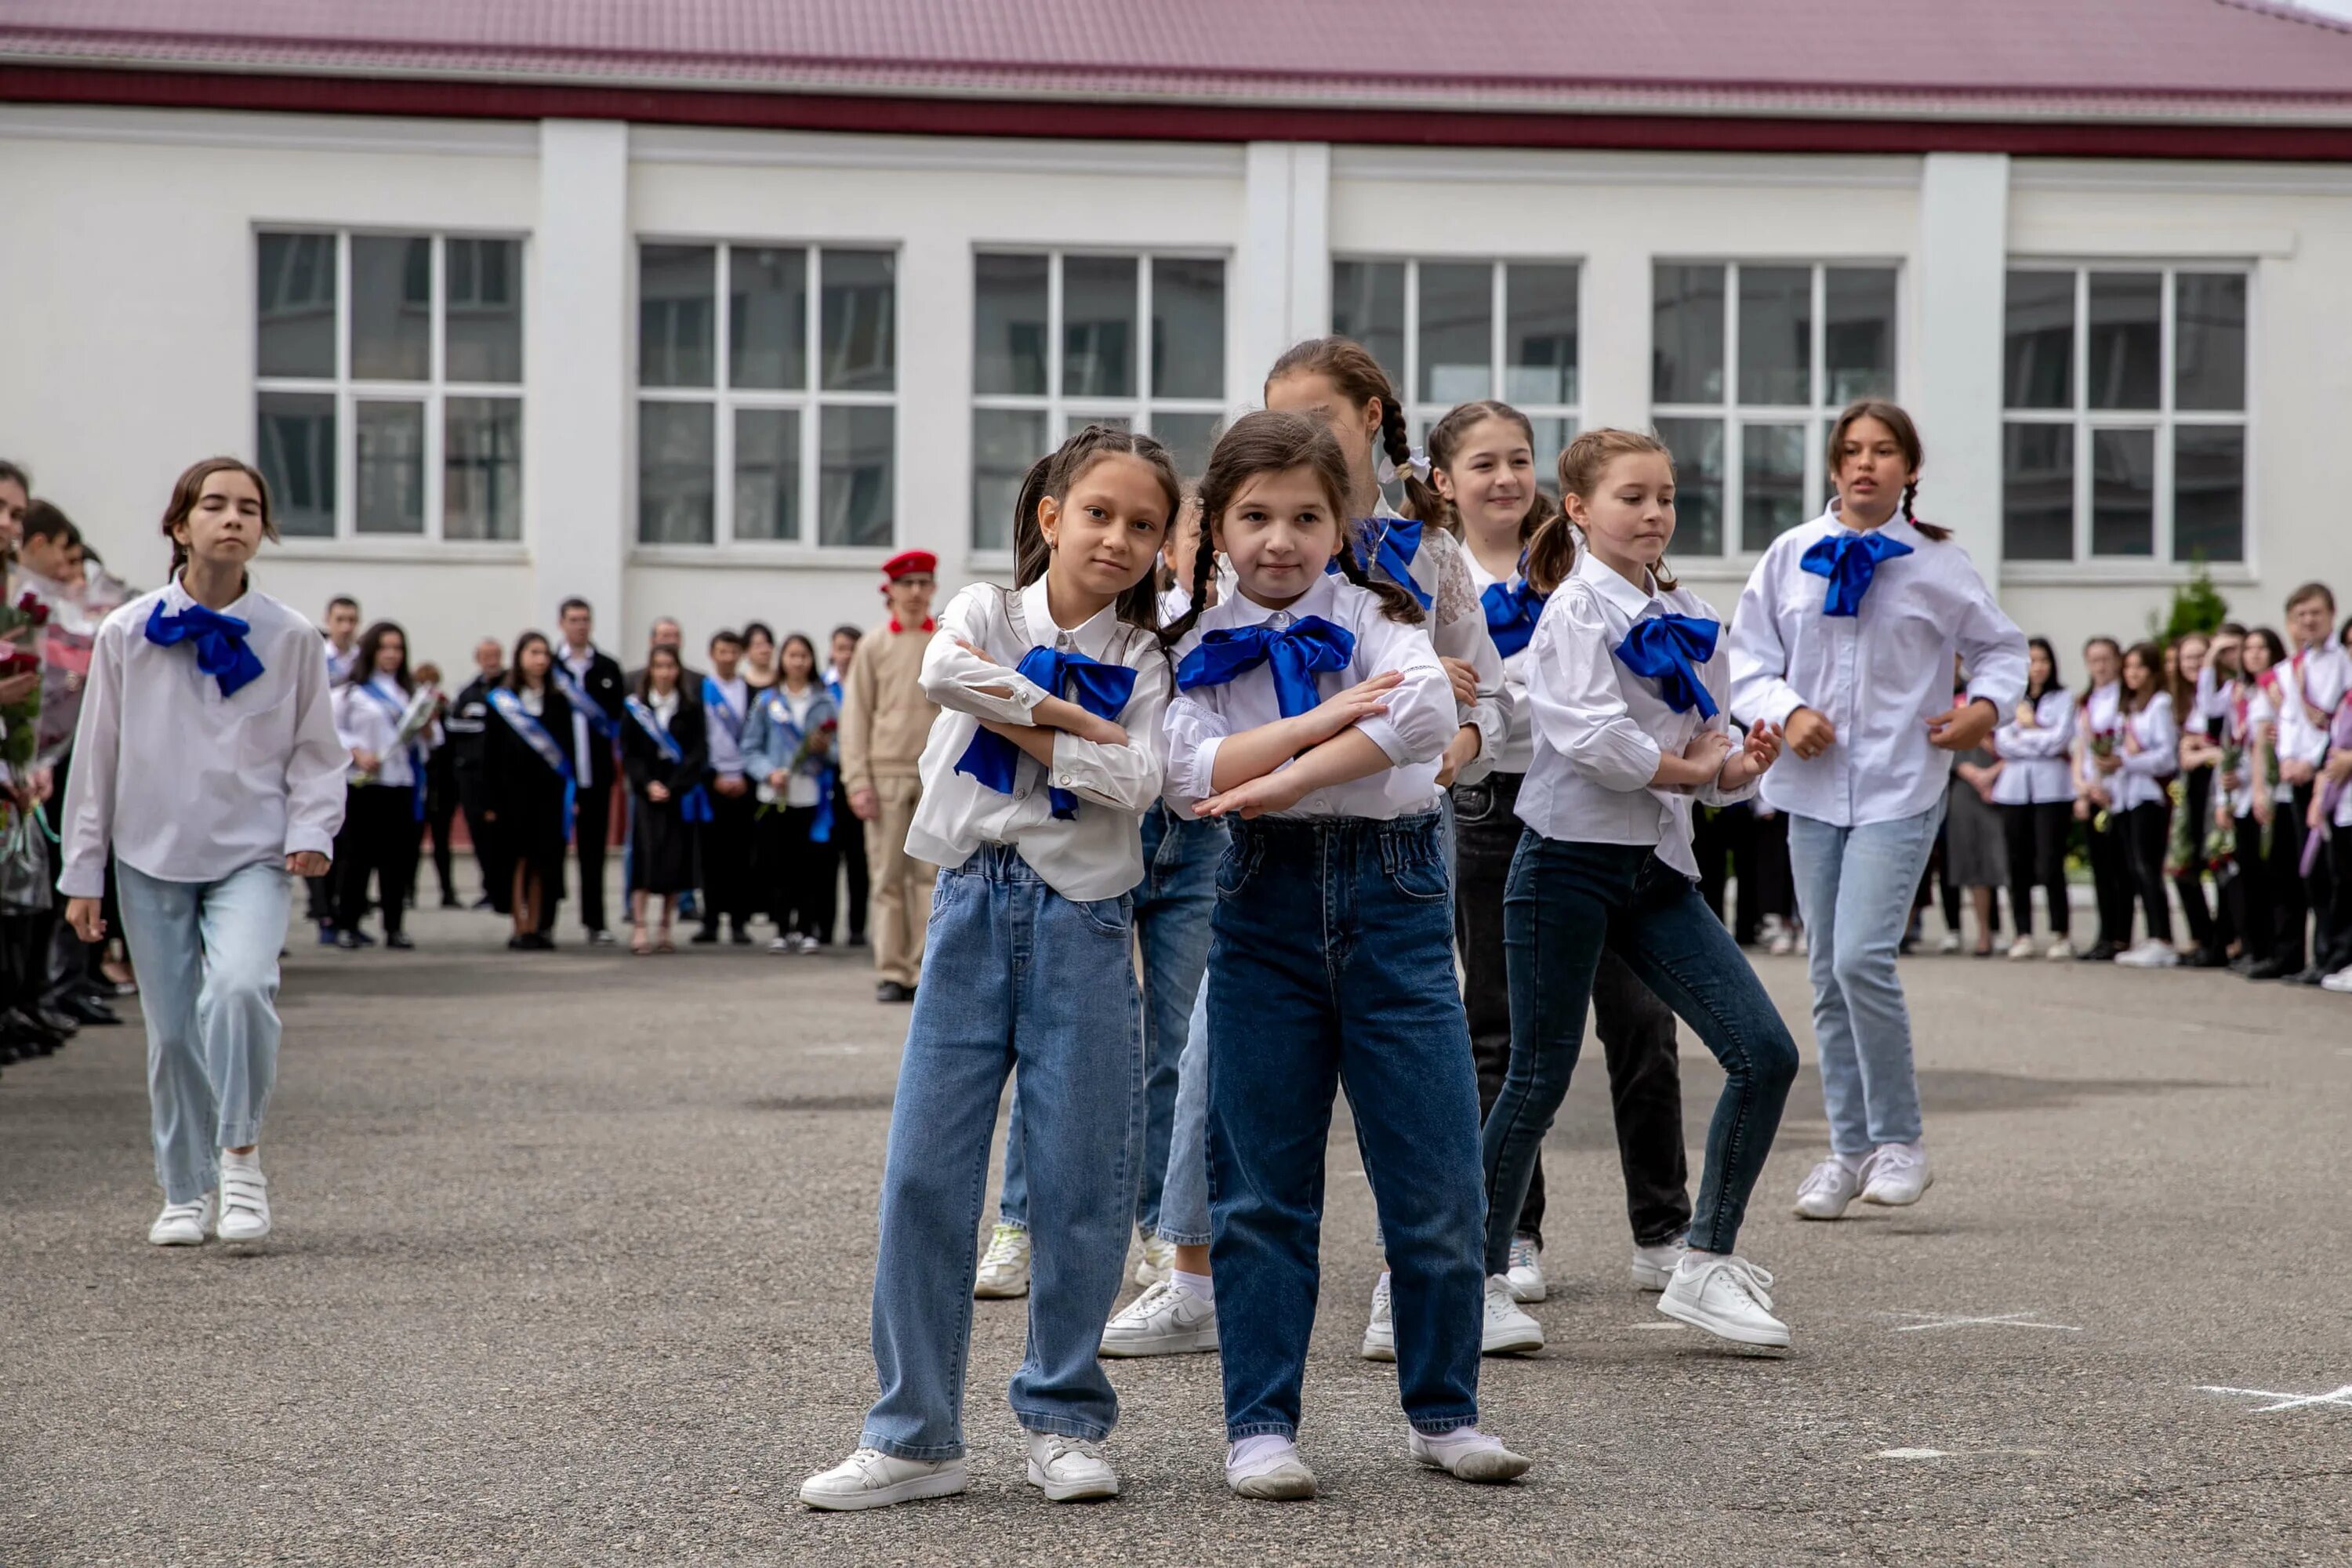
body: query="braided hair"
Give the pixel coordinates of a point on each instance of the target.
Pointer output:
(1906, 436)
(1350, 368)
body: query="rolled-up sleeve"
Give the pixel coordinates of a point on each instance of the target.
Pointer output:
(1423, 715)
(1574, 699)
(90, 789)
(1192, 730)
(1127, 777)
(2050, 736)
(2159, 756)
(958, 680)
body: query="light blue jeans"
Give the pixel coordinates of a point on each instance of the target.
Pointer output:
(207, 954)
(1854, 888)
(1184, 1195)
(1015, 973)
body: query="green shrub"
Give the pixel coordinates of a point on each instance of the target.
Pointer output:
(2196, 606)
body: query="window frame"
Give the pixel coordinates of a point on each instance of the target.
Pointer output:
(2164, 421)
(434, 393)
(724, 399)
(1736, 416)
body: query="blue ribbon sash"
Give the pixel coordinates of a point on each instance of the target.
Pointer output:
(1512, 610)
(1850, 561)
(1670, 650)
(780, 714)
(508, 706)
(695, 804)
(221, 650)
(587, 707)
(1391, 553)
(1296, 654)
(1102, 690)
(399, 710)
(714, 701)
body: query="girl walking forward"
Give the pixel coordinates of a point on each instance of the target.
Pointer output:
(1045, 755)
(1625, 678)
(1866, 603)
(206, 756)
(1311, 713)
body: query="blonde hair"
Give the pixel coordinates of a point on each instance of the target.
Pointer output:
(1551, 556)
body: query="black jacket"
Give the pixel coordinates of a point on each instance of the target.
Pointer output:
(465, 721)
(602, 684)
(642, 754)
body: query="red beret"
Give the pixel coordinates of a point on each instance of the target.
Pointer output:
(910, 561)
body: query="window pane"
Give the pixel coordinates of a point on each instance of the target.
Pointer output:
(481, 467)
(482, 335)
(2123, 492)
(1538, 333)
(1697, 446)
(1098, 305)
(295, 435)
(1367, 305)
(856, 475)
(676, 314)
(1686, 334)
(1074, 423)
(392, 308)
(1858, 340)
(677, 450)
(1776, 334)
(861, 319)
(1188, 328)
(767, 318)
(1552, 437)
(1457, 332)
(297, 305)
(1004, 442)
(2208, 492)
(2126, 313)
(2208, 347)
(2037, 492)
(768, 474)
(1010, 330)
(1772, 482)
(2038, 347)
(1188, 439)
(391, 479)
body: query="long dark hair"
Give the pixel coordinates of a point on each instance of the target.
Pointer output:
(1270, 443)
(1445, 437)
(363, 662)
(1906, 435)
(1051, 477)
(512, 681)
(645, 683)
(817, 666)
(2055, 683)
(1350, 367)
(2151, 659)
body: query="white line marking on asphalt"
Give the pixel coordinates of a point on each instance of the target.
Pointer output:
(1912, 1454)
(2342, 1397)
(1947, 1321)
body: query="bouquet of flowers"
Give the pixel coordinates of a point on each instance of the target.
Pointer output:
(20, 629)
(809, 747)
(423, 706)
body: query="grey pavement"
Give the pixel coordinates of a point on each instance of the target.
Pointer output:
(573, 1253)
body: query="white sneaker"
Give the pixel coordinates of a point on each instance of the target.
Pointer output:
(1526, 1273)
(807, 943)
(2339, 981)
(181, 1225)
(1469, 1455)
(1727, 1297)
(1826, 1190)
(1069, 1469)
(1949, 945)
(2062, 950)
(1508, 1330)
(872, 1478)
(1004, 1268)
(1782, 945)
(1655, 1265)
(1379, 1334)
(786, 943)
(1275, 1473)
(1771, 928)
(2149, 954)
(2024, 947)
(1166, 1320)
(1158, 1262)
(244, 1199)
(1896, 1175)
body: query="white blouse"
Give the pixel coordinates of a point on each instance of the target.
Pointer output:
(2101, 718)
(1601, 730)
(2316, 677)
(2036, 758)
(1519, 748)
(2240, 734)
(1098, 852)
(1422, 717)
(2149, 745)
(1443, 569)
(367, 721)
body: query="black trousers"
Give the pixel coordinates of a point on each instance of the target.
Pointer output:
(1636, 1029)
(802, 891)
(1776, 880)
(2319, 888)
(1723, 840)
(2289, 905)
(726, 849)
(2208, 927)
(2145, 829)
(440, 814)
(592, 831)
(849, 847)
(379, 837)
(2111, 879)
(2035, 838)
(2338, 953)
(490, 854)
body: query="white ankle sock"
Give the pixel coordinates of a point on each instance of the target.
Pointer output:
(232, 1160)
(1853, 1163)
(1198, 1285)
(1451, 1445)
(1261, 1455)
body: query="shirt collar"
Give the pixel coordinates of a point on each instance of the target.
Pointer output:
(1318, 600)
(177, 599)
(1605, 581)
(1092, 637)
(1897, 528)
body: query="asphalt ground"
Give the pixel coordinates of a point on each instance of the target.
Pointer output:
(573, 1253)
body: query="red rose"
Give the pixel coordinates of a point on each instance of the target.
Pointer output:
(39, 614)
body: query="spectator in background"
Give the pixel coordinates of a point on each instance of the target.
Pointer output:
(440, 797)
(663, 746)
(590, 683)
(467, 728)
(885, 723)
(788, 751)
(726, 838)
(759, 669)
(340, 628)
(848, 832)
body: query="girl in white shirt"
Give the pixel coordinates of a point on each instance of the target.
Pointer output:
(2147, 756)
(1311, 714)
(1039, 768)
(2099, 741)
(788, 747)
(2035, 792)
(385, 809)
(2269, 892)
(1845, 638)
(1626, 682)
(207, 758)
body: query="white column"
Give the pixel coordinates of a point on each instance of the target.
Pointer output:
(578, 432)
(1955, 373)
(1282, 282)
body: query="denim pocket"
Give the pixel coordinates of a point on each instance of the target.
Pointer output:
(943, 892)
(1235, 866)
(1473, 803)
(1421, 879)
(1109, 917)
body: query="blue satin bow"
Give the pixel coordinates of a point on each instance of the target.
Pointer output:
(1297, 653)
(1850, 561)
(1669, 650)
(1102, 690)
(1512, 610)
(221, 652)
(1392, 553)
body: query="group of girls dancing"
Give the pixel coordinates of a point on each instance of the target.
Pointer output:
(1320, 676)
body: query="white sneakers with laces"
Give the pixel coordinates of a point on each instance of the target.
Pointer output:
(1827, 1189)
(244, 1198)
(181, 1225)
(1166, 1320)
(1004, 1267)
(1069, 1469)
(1526, 1272)
(1158, 1260)
(1728, 1298)
(1655, 1265)
(872, 1478)
(2339, 981)
(2150, 953)
(2024, 947)
(1507, 1331)
(1896, 1175)
(1379, 1334)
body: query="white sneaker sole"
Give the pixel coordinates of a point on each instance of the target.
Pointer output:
(1818, 1210)
(1508, 1341)
(1071, 1491)
(243, 1236)
(1379, 1347)
(1184, 1342)
(1000, 1290)
(914, 1488)
(1650, 1277)
(1755, 1335)
(1874, 1194)
(174, 1239)
(1486, 1466)
(1293, 1482)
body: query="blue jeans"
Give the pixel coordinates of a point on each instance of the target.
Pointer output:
(207, 954)
(1185, 1197)
(1854, 887)
(1332, 964)
(1015, 973)
(1564, 903)
(1171, 920)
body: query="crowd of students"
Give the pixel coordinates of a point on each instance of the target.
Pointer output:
(1204, 810)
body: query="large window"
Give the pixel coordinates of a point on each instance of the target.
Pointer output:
(2124, 435)
(389, 397)
(1454, 332)
(1748, 365)
(767, 408)
(1062, 340)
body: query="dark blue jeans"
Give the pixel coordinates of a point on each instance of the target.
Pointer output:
(1564, 904)
(1332, 964)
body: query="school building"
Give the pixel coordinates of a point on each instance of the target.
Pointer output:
(705, 307)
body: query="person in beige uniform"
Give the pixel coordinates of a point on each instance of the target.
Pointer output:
(885, 720)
